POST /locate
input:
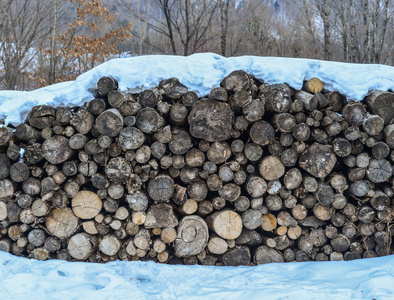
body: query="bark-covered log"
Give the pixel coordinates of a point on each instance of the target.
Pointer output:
(382, 104)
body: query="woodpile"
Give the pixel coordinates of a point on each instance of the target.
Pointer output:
(251, 174)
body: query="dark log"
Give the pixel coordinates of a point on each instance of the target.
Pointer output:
(379, 170)
(178, 114)
(26, 133)
(325, 194)
(19, 172)
(252, 111)
(335, 100)
(218, 93)
(262, 133)
(373, 125)
(194, 158)
(380, 150)
(57, 150)
(318, 160)
(240, 123)
(230, 192)
(5, 166)
(310, 101)
(96, 106)
(161, 188)
(189, 98)
(265, 255)
(354, 113)
(342, 147)
(381, 103)
(277, 97)
(109, 123)
(205, 207)
(237, 257)
(389, 135)
(252, 219)
(256, 186)
(82, 120)
(77, 141)
(173, 89)
(292, 178)
(106, 84)
(289, 157)
(42, 116)
(6, 135)
(253, 152)
(236, 81)
(118, 170)
(273, 202)
(219, 152)
(180, 142)
(210, 120)
(197, 190)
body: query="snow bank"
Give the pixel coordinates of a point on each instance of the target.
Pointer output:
(21, 278)
(199, 72)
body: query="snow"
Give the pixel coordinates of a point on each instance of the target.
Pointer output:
(55, 279)
(21, 278)
(200, 73)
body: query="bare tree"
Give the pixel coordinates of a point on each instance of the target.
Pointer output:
(23, 28)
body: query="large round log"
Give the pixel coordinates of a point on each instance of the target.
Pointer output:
(226, 223)
(161, 188)
(262, 133)
(271, 168)
(211, 120)
(149, 121)
(192, 236)
(62, 222)
(236, 81)
(382, 104)
(57, 150)
(80, 246)
(82, 120)
(42, 116)
(109, 122)
(118, 170)
(86, 205)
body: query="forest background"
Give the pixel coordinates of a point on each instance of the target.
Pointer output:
(44, 42)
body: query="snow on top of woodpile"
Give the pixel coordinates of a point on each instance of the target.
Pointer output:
(200, 73)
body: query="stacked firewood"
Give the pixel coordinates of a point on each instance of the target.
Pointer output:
(253, 173)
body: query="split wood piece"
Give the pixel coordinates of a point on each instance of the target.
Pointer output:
(310, 101)
(160, 216)
(211, 120)
(226, 223)
(236, 81)
(354, 113)
(149, 121)
(109, 123)
(277, 97)
(62, 222)
(106, 84)
(271, 168)
(265, 255)
(262, 133)
(57, 150)
(318, 160)
(382, 104)
(313, 85)
(89, 227)
(42, 116)
(86, 205)
(110, 245)
(249, 237)
(80, 246)
(161, 188)
(237, 257)
(118, 170)
(269, 222)
(192, 236)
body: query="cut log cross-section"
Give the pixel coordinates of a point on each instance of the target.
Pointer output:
(226, 223)
(318, 160)
(192, 236)
(62, 222)
(86, 205)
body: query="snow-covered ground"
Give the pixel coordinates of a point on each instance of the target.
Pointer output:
(200, 73)
(362, 279)
(21, 279)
